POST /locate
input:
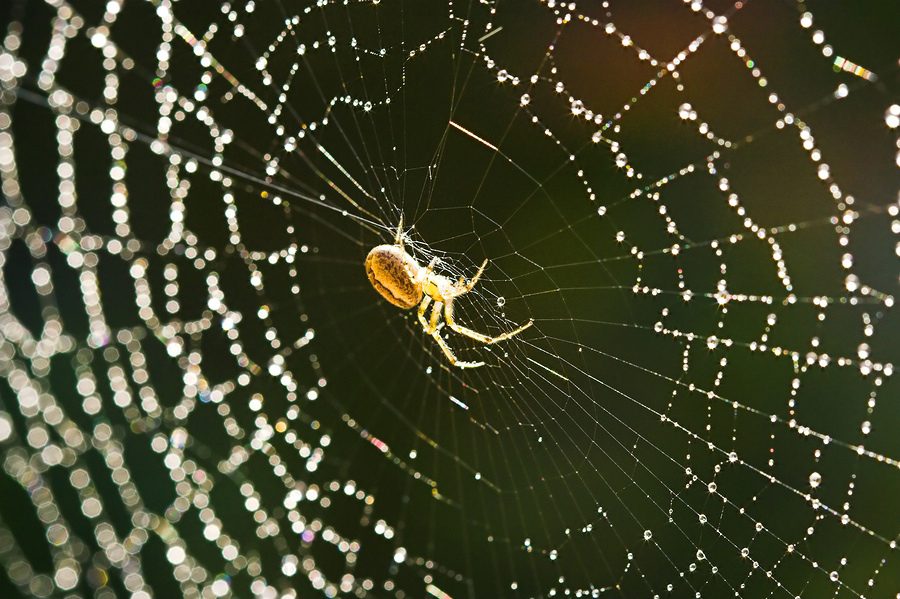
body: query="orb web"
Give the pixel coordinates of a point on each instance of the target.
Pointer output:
(203, 396)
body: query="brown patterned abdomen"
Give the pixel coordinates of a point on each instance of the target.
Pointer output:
(392, 272)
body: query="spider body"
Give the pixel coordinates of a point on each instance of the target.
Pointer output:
(405, 283)
(395, 275)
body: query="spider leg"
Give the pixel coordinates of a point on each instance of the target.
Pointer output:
(398, 239)
(449, 352)
(435, 317)
(462, 287)
(481, 337)
(425, 273)
(421, 314)
(433, 328)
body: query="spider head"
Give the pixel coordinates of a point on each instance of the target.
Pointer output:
(395, 275)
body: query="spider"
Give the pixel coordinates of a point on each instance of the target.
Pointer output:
(405, 283)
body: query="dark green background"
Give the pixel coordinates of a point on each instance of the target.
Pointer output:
(554, 451)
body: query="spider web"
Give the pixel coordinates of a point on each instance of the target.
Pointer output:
(202, 395)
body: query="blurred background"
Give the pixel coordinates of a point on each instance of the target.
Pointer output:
(201, 395)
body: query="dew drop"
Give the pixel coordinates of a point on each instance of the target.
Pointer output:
(892, 116)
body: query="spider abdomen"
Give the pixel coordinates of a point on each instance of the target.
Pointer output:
(395, 275)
